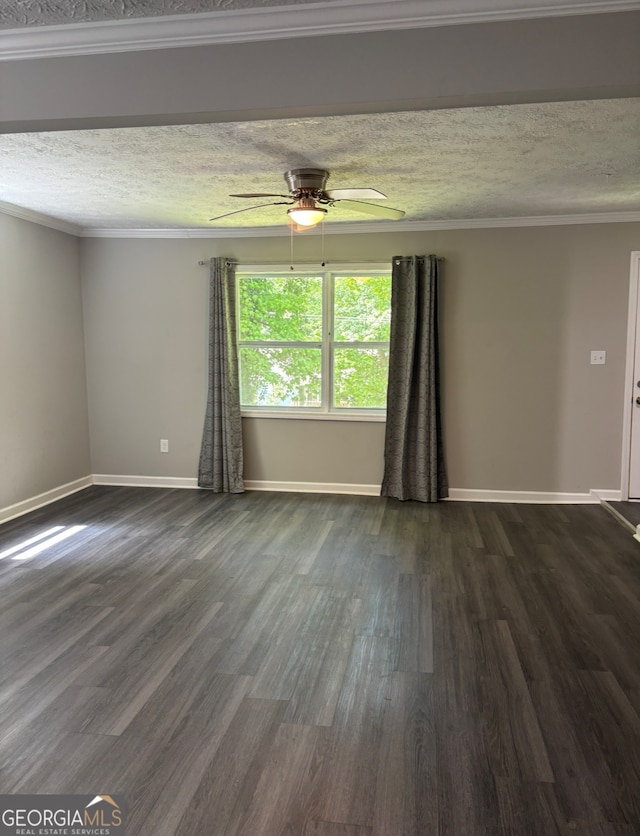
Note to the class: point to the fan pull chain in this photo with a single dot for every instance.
(323, 263)
(291, 240)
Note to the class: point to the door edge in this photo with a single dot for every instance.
(632, 329)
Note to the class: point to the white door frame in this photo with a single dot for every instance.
(633, 333)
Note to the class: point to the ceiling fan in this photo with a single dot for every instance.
(308, 197)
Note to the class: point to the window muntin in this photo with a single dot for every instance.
(314, 342)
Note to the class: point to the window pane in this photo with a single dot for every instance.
(360, 378)
(362, 308)
(280, 376)
(280, 308)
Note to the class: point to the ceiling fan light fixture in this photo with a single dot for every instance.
(306, 213)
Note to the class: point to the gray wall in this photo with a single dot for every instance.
(561, 58)
(145, 312)
(521, 310)
(44, 436)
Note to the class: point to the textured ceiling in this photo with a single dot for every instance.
(506, 161)
(18, 13)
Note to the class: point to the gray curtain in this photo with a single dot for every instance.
(221, 461)
(413, 450)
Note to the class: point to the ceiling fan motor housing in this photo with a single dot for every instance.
(306, 180)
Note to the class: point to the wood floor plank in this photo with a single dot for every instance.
(529, 809)
(625, 597)
(413, 645)
(28, 710)
(328, 828)
(220, 533)
(314, 698)
(615, 733)
(285, 796)
(73, 760)
(456, 647)
(289, 652)
(38, 656)
(378, 594)
(513, 739)
(138, 614)
(350, 770)
(619, 649)
(42, 736)
(583, 783)
(461, 521)
(504, 590)
(492, 533)
(282, 607)
(164, 790)
(141, 672)
(564, 631)
(341, 563)
(467, 798)
(231, 778)
(406, 798)
(311, 546)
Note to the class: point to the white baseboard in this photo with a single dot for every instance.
(35, 502)
(144, 481)
(530, 497)
(455, 494)
(250, 485)
(607, 495)
(313, 487)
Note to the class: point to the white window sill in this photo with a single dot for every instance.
(297, 415)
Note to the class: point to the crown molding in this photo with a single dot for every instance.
(283, 230)
(277, 22)
(376, 227)
(39, 218)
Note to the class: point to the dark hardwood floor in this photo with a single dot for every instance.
(321, 665)
(628, 512)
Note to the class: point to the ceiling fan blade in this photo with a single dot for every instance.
(355, 194)
(373, 209)
(258, 194)
(249, 208)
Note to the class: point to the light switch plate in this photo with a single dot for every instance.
(598, 358)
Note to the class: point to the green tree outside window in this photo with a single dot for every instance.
(314, 341)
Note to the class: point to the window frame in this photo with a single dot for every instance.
(327, 345)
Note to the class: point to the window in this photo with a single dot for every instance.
(314, 341)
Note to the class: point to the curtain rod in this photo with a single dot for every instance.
(419, 257)
(205, 262)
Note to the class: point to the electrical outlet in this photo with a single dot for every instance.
(598, 358)
(164, 445)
